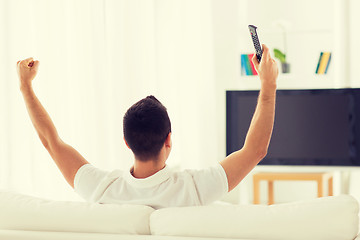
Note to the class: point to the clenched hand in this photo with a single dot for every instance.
(27, 70)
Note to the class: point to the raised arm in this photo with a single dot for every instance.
(238, 164)
(66, 158)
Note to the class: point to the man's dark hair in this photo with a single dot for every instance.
(146, 126)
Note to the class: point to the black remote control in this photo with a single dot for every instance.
(256, 42)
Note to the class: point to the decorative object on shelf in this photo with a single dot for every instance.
(247, 67)
(283, 25)
(285, 66)
(323, 63)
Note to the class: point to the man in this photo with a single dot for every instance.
(147, 132)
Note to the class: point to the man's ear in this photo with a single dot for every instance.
(168, 142)
(126, 143)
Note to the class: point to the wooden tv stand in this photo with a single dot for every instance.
(270, 177)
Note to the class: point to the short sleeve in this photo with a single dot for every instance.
(211, 183)
(90, 182)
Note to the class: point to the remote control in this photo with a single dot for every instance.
(256, 42)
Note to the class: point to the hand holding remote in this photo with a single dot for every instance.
(267, 69)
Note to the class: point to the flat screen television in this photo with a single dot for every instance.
(312, 127)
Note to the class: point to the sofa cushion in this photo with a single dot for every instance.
(37, 235)
(323, 218)
(22, 212)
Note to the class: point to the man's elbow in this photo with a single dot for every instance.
(44, 142)
(49, 144)
(258, 152)
(261, 154)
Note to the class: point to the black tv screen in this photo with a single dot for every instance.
(312, 127)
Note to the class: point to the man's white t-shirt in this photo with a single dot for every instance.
(166, 188)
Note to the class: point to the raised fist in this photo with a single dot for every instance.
(27, 70)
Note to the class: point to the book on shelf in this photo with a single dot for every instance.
(247, 67)
(323, 63)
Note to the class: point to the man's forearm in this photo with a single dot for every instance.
(261, 127)
(39, 117)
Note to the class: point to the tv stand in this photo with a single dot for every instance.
(270, 177)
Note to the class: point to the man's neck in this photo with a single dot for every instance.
(146, 169)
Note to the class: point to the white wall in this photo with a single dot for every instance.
(97, 59)
(320, 29)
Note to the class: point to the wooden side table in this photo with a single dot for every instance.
(270, 177)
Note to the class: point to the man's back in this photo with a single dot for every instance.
(166, 188)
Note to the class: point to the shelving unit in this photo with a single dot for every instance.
(313, 27)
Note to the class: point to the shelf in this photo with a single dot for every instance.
(300, 31)
(287, 81)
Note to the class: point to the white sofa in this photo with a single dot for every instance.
(26, 217)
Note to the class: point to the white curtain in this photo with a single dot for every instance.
(97, 58)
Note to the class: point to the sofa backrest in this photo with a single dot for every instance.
(22, 212)
(323, 218)
(330, 218)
